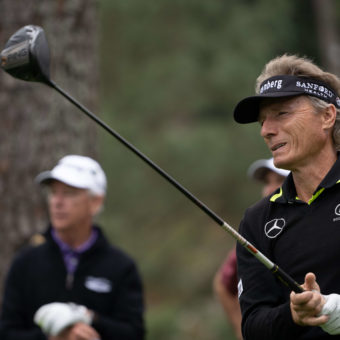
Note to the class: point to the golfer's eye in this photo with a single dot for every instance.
(260, 120)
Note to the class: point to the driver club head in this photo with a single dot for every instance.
(26, 55)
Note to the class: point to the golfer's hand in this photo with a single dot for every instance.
(53, 318)
(306, 306)
(79, 331)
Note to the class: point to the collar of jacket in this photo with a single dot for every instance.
(287, 193)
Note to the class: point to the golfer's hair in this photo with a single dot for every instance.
(304, 67)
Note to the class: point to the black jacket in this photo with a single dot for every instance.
(106, 281)
(300, 238)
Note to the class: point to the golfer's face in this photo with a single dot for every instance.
(292, 131)
(69, 207)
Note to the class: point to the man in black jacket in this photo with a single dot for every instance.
(297, 106)
(74, 285)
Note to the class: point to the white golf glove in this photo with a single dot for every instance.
(332, 309)
(55, 317)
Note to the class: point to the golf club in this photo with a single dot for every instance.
(26, 56)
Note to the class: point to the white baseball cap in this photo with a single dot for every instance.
(77, 171)
(259, 168)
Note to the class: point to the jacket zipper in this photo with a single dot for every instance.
(69, 281)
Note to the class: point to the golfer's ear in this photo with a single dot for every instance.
(96, 204)
(329, 116)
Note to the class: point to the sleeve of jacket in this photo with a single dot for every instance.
(126, 321)
(14, 324)
(263, 298)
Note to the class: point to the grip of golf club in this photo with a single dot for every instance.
(286, 279)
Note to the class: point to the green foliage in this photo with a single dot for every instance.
(172, 72)
(179, 322)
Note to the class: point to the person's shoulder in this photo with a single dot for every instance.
(29, 254)
(259, 206)
(34, 247)
(111, 255)
(120, 254)
(111, 250)
(119, 261)
(254, 216)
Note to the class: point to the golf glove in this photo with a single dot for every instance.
(332, 309)
(55, 317)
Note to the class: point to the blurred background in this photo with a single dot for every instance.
(166, 75)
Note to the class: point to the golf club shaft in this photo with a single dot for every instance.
(140, 155)
(284, 277)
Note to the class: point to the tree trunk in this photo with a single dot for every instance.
(327, 34)
(38, 126)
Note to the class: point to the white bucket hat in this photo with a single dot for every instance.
(77, 171)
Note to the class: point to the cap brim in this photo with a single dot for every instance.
(44, 177)
(47, 177)
(259, 169)
(247, 110)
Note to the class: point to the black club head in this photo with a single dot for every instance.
(26, 55)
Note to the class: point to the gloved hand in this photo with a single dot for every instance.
(332, 309)
(55, 317)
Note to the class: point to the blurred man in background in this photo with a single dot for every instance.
(225, 280)
(74, 285)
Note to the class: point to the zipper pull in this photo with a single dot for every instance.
(69, 280)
